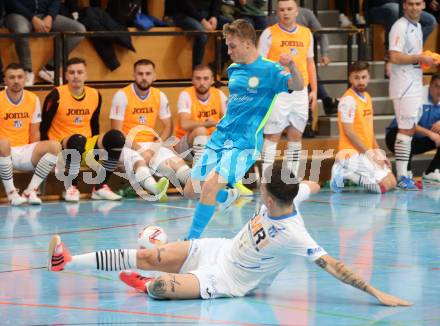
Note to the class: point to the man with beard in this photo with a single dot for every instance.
(199, 108)
(135, 111)
(20, 145)
(359, 158)
(71, 117)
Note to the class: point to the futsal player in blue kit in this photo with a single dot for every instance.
(234, 147)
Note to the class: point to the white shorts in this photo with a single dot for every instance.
(408, 111)
(362, 165)
(202, 262)
(129, 156)
(289, 109)
(22, 157)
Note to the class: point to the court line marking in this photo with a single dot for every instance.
(138, 322)
(120, 210)
(69, 232)
(92, 229)
(128, 312)
(174, 206)
(23, 270)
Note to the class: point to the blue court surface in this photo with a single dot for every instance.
(392, 240)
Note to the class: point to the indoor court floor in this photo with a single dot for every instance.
(392, 240)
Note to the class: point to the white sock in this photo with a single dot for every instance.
(42, 170)
(199, 145)
(105, 260)
(293, 156)
(72, 162)
(268, 153)
(144, 177)
(6, 173)
(402, 150)
(183, 174)
(364, 182)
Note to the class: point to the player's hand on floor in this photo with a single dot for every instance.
(392, 301)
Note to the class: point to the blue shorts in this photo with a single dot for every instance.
(232, 164)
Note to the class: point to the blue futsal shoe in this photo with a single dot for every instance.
(407, 184)
(337, 179)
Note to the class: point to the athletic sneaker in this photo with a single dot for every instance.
(233, 195)
(47, 75)
(161, 189)
(432, 178)
(406, 183)
(337, 179)
(244, 191)
(127, 191)
(344, 21)
(135, 280)
(71, 194)
(418, 183)
(29, 78)
(15, 199)
(59, 255)
(32, 197)
(360, 20)
(104, 193)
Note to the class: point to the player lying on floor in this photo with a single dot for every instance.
(212, 268)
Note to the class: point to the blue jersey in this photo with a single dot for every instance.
(252, 89)
(430, 115)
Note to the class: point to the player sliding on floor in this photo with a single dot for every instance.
(212, 268)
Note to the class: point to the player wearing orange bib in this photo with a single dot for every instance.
(359, 158)
(291, 110)
(71, 117)
(135, 111)
(20, 145)
(199, 109)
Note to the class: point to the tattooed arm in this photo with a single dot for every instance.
(340, 271)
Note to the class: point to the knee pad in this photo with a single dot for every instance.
(77, 142)
(113, 142)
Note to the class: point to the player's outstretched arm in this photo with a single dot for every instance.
(339, 270)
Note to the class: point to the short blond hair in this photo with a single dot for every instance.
(242, 29)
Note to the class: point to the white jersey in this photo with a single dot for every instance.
(406, 80)
(264, 246)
